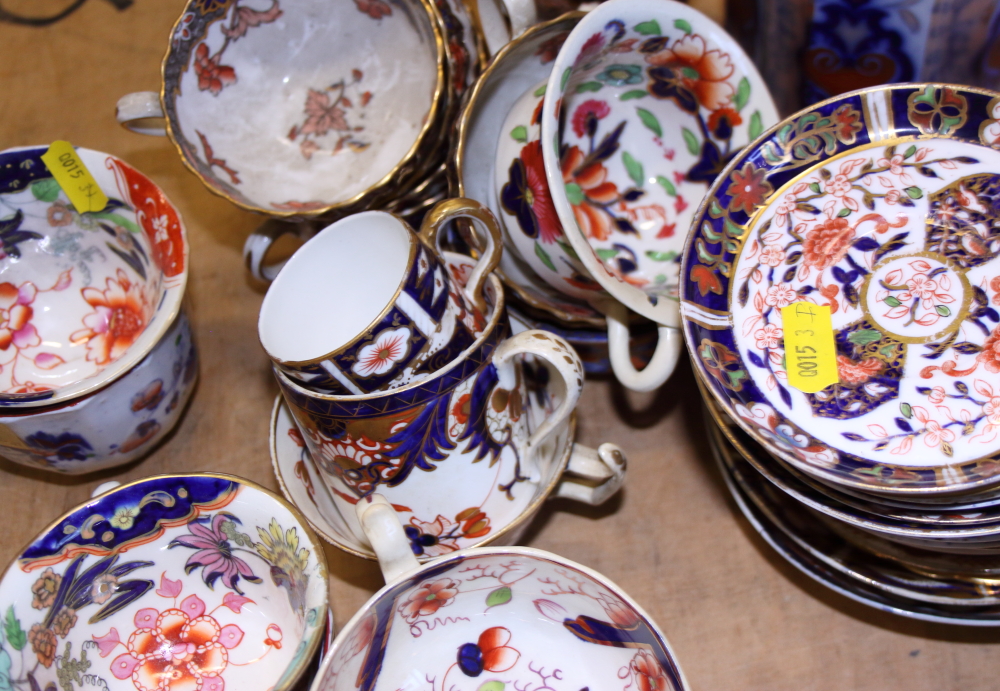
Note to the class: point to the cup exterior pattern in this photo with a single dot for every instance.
(205, 564)
(114, 426)
(533, 618)
(427, 326)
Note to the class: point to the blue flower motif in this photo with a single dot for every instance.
(66, 447)
(620, 75)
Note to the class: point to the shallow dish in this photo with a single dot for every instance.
(173, 582)
(83, 297)
(879, 204)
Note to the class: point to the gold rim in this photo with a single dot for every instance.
(429, 133)
(318, 551)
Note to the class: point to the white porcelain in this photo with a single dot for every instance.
(493, 618)
(83, 297)
(115, 425)
(172, 582)
(656, 98)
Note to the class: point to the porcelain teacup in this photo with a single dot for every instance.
(492, 618)
(224, 575)
(368, 305)
(647, 103)
(458, 449)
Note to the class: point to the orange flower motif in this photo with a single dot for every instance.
(15, 316)
(705, 71)
(826, 244)
(850, 372)
(429, 598)
(211, 75)
(121, 315)
(590, 187)
(989, 356)
(649, 675)
(748, 188)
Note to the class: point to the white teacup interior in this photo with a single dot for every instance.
(334, 287)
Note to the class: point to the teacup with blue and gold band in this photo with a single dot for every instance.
(367, 305)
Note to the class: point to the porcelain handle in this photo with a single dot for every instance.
(135, 110)
(483, 219)
(593, 475)
(522, 15)
(660, 367)
(259, 242)
(567, 364)
(385, 533)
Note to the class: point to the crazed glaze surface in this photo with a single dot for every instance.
(83, 297)
(115, 425)
(644, 106)
(271, 111)
(881, 205)
(500, 619)
(172, 582)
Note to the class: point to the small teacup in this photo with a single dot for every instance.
(493, 618)
(84, 297)
(643, 106)
(367, 304)
(460, 443)
(197, 581)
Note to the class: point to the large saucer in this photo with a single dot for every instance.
(302, 485)
(781, 535)
(844, 205)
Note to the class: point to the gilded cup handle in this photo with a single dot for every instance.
(668, 351)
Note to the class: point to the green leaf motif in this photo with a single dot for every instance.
(500, 596)
(5, 682)
(742, 94)
(12, 627)
(914, 192)
(574, 193)
(660, 278)
(756, 125)
(909, 152)
(661, 256)
(493, 685)
(814, 187)
(864, 337)
(650, 121)
(666, 185)
(691, 140)
(519, 134)
(634, 93)
(116, 219)
(943, 311)
(906, 410)
(682, 25)
(843, 212)
(650, 28)
(544, 256)
(634, 169)
(891, 301)
(606, 254)
(589, 86)
(540, 91)
(565, 78)
(46, 190)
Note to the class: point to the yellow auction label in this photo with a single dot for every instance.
(79, 185)
(810, 352)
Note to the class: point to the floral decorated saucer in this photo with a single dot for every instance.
(779, 535)
(173, 582)
(302, 484)
(882, 206)
(83, 297)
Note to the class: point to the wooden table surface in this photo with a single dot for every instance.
(737, 616)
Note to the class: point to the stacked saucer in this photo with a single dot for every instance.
(840, 307)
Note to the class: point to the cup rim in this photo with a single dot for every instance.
(496, 317)
(530, 552)
(456, 158)
(168, 310)
(662, 310)
(430, 131)
(526, 515)
(318, 551)
(415, 243)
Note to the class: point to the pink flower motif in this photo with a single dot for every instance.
(780, 295)
(589, 112)
(838, 186)
(936, 395)
(768, 337)
(380, 356)
(785, 207)
(15, 316)
(551, 610)
(936, 434)
(429, 598)
(215, 554)
(892, 196)
(772, 255)
(435, 537)
(895, 166)
(121, 313)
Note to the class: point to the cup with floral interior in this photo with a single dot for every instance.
(306, 109)
(493, 616)
(609, 158)
(84, 296)
(172, 582)
(368, 304)
(463, 443)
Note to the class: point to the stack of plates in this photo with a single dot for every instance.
(882, 209)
